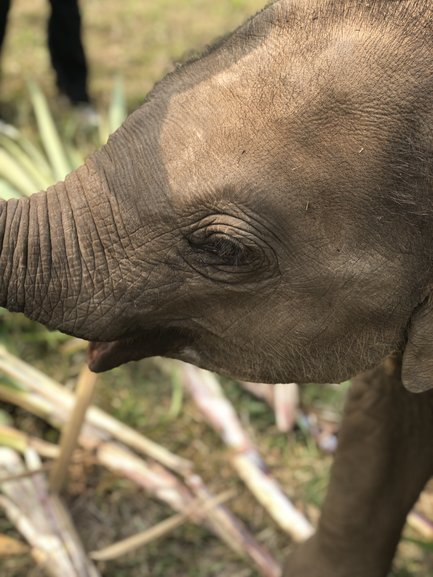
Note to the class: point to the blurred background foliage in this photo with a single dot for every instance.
(139, 41)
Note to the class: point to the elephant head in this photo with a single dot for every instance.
(265, 213)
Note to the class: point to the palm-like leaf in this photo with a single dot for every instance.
(26, 167)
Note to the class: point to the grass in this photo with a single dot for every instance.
(141, 40)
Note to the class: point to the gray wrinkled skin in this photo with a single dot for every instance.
(265, 213)
(383, 462)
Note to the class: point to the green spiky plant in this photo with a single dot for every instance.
(29, 164)
(26, 167)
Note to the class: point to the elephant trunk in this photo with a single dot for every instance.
(54, 265)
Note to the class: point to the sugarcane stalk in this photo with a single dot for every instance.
(282, 398)
(19, 441)
(233, 532)
(207, 393)
(286, 405)
(72, 429)
(166, 487)
(11, 478)
(42, 518)
(55, 404)
(41, 390)
(263, 391)
(157, 531)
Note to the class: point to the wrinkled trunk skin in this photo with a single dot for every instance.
(53, 263)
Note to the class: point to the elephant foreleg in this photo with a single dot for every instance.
(384, 459)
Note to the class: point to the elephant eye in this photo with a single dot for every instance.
(227, 249)
(220, 249)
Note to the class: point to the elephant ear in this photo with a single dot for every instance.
(417, 368)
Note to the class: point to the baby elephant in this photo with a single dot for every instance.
(267, 213)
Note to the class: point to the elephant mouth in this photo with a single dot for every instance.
(103, 356)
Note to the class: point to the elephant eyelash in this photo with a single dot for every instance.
(219, 249)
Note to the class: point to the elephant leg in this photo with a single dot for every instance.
(384, 459)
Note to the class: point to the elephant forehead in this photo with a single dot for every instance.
(277, 96)
(211, 119)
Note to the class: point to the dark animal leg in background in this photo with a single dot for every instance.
(4, 10)
(67, 51)
(384, 459)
